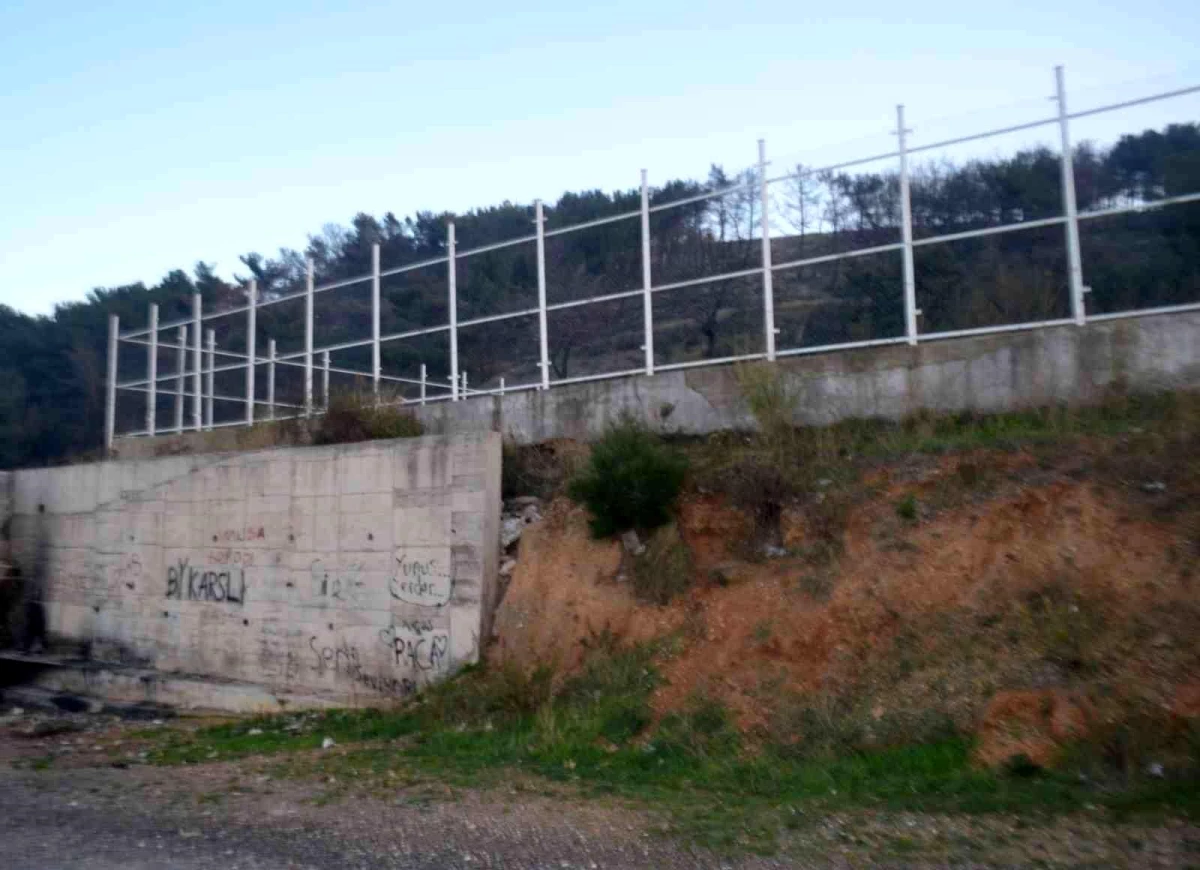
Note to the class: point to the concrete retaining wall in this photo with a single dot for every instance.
(999, 372)
(344, 574)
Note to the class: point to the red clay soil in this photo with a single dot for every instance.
(1036, 724)
(757, 631)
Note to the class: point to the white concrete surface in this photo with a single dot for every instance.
(988, 373)
(350, 574)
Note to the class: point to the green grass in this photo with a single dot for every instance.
(592, 736)
(928, 432)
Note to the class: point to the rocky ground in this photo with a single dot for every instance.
(75, 792)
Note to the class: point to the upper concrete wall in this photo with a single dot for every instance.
(1000, 372)
(350, 573)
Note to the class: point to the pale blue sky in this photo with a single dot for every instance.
(136, 137)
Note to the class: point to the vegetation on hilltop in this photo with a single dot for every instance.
(52, 368)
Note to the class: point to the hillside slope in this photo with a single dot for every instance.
(1039, 594)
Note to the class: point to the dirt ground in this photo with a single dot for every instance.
(98, 806)
(1010, 574)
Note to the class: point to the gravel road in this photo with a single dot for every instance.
(156, 818)
(91, 808)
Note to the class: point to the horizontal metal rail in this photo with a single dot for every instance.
(583, 379)
(608, 297)
(845, 345)
(988, 134)
(1135, 207)
(828, 258)
(494, 318)
(707, 279)
(494, 246)
(1182, 308)
(716, 361)
(413, 333)
(453, 387)
(1137, 101)
(701, 197)
(587, 225)
(412, 267)
(998, 328)
(989, 231)
(220, 397)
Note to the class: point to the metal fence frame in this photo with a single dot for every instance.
(455, 387)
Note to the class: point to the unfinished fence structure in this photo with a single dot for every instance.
(741, 289)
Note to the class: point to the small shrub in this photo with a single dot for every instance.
(611, 696)
(771, 402)
(503, 690)
(703, 728)
(1021, 766)
(665, 569)
(354, 416)
(631, 480)
(762, 487)
(828, 724)
(906, 508)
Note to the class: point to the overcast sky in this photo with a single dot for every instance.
(137, 137)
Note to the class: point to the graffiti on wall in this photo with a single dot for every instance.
(276, 657)
(418, 645)
(249, 533)
(186, 582)
(342, 659)
(420, 581)
(344, 586)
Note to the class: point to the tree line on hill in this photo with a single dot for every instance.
(52, 368)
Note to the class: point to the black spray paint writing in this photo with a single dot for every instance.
(343, 660)
(417, 644)
(344, 586)
(419, 582)
(205, 584)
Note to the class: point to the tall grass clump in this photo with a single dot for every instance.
(665, 569)
(354, 415)
(779, 464)
(631, 480)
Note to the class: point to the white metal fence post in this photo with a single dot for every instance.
(502, 385)
(1067, 163)
(197, 337)
(181, 376)
(464, 385)
(210, 378)
(422, 383)
(308, 339)
(375, 356)
(768, 285)
(110, 386)
(251, 349)
(539, 218)
(453, 304)
(910, 279)
(647, 300)
(152, 373)
(325, 379)
(270, 379)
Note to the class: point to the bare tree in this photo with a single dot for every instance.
(802, 201)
